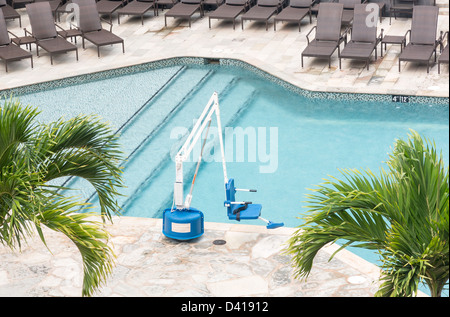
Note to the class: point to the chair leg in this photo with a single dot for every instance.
(6, 66)
(98, 51)
(32, 62)
(439, 68)
(302, 60)
(123, 47)
(76, 53)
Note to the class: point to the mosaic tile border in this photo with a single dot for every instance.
(176, 61)
(332, 95)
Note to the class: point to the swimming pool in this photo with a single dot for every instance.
(314, 136)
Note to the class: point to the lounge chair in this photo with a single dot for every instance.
(328, 32)
(161, 4)
(9, 13)
(230, 10)
(185, 9)
(91, 27)
(262, 11)
(401, 6)
(444, 54)
(296, 11)
(422, 37)
(44, 31)
(364, 39)
(347, 15)
(108, 7)
(137, 8)
(8, 51)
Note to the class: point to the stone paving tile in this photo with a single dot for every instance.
(251, 263)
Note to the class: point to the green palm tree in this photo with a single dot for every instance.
(402, 213)
(32, 155)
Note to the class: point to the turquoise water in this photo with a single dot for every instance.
(314, 138)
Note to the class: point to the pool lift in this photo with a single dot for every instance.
(183, 222)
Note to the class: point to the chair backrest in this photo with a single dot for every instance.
(349, 4)
(4, 37)
(41, 20)
(236, 2)
(230, 193)
(424, 25)
(89, 17)
(268, 3)
(329, 21)
(300, 3)
(364, 30)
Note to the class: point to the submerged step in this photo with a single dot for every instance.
(156, 193)
(149, 119)
(147, 161)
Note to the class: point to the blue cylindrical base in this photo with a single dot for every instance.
(183, 224)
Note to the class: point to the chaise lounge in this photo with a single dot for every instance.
(108, 7)
(137, 8)
(43, 29)
(91, 27)
(364, 39)
(9, 13)
(348, 13)
(184, 9)
(296, 11)
(230, 10)
(422, 37)
(263, 11)
(10, 52)
(328, 33)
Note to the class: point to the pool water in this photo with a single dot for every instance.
(312, 138)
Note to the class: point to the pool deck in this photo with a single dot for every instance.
(251, 263)
(276, 52)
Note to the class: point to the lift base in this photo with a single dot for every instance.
(183, 224)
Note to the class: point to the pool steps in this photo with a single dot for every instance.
(234, 100)
(151, 124)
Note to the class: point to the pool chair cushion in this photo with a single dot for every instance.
(241, 211)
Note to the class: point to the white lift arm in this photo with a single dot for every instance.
(182, 155)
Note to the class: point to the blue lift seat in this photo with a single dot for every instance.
(239, 212)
